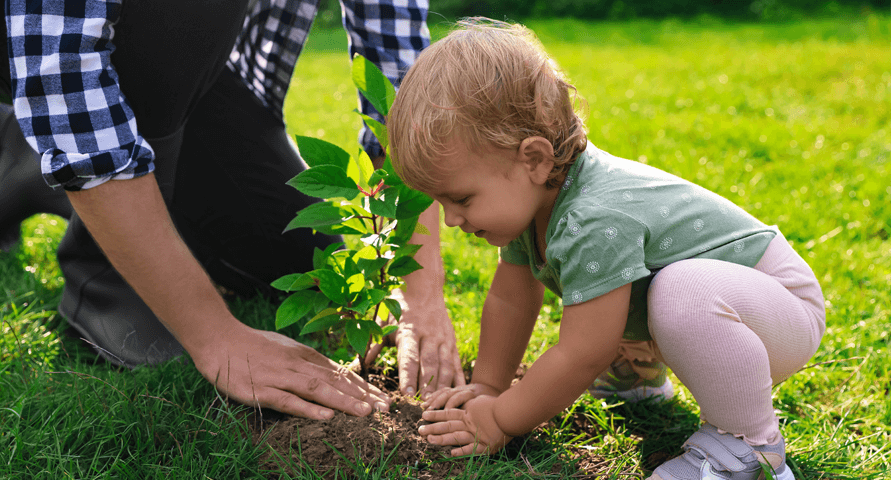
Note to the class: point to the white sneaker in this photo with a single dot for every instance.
(710, 455)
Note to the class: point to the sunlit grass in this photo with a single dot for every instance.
(790, 121)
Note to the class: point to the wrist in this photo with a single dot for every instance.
(501, 416)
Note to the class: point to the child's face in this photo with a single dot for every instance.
(490, 193)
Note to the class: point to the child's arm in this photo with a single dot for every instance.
(589, 337)
(509, 315)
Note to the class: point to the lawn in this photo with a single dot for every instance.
(789, 121)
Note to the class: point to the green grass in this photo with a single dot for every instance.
(790, 121)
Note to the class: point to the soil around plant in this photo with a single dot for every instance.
(330, 447)
(382, 441)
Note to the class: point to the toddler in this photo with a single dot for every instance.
(652, 269)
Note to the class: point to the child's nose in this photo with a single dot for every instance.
(452, 218)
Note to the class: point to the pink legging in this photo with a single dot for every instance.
(731, 332)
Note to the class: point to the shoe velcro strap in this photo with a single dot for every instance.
(726, 450)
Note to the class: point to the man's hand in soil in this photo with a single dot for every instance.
(267, 369)
(473, 430)
(130, 222)
(448, 398)
(425, 340)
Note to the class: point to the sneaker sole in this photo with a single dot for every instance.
(662, 393)
(787, 474)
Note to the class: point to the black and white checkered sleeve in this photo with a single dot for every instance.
(391, 34)
(66, 93)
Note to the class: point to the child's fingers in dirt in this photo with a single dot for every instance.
(460, 438)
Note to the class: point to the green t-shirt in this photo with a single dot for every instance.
(616, 221)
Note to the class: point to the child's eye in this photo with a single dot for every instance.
(463, 201)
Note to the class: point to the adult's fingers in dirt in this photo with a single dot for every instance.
(342, 379)
(459, 378)
(408, 364)
(373, 353)
(352, 401)
(429, 369)
(287, 402)
(447, 369)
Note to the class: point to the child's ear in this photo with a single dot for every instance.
(538, 154)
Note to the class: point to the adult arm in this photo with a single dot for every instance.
(73, 113)
(129, 220)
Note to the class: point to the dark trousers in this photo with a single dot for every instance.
(222, 160)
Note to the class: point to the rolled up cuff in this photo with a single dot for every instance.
(82, 171)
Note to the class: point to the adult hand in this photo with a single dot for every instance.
(425, 340)
(267, 369)
(455, 397)
(473, 429)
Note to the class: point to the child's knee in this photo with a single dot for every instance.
(674, 296)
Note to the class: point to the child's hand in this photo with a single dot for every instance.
(474, 429)
(455, 397)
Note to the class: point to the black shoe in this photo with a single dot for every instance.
(22, 190)
(105, 311)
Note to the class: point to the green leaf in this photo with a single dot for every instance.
(284, 283)
(325, 181)
(361, 168)
(377, 176)
(293, 282)
(331, 284)
(294, 308)
(392, 178)
(371, 267)
(389, 329)
(322, 302)
(394, 306)
(377, 128)
(403, 266)
(420, 228)
(385, 203)
(409, 249)
(321, 323)
(319, 152)
(358, 334)
(376, 296)
(355, 283)
(320, 257)
(317, 215)
(349, 226)
(404, 230)
(366, 253)
(411, 202)
(360, 302)
(375, 87)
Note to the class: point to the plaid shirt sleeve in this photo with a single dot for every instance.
(391, 34)
(66, 93)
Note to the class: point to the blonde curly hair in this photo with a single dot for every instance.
(489, 84)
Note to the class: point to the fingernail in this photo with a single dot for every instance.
(326, 414)
(382, 406)
(410, 391)
(363, 408)
(426, 395)
(422, 430)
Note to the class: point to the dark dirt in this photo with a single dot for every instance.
(380, 441)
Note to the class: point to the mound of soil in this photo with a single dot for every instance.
(383, 441)
(329, 446)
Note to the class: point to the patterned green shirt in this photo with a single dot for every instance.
(616, 222)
